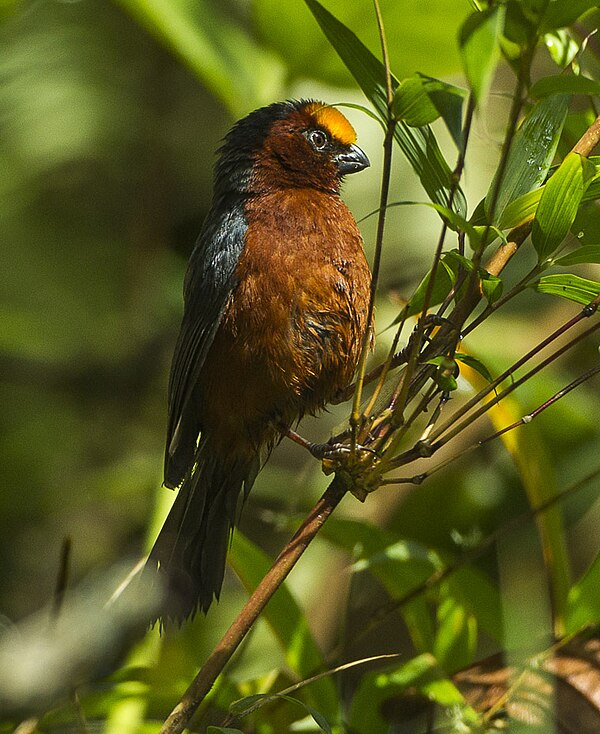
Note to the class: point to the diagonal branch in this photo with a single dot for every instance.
(287, 559)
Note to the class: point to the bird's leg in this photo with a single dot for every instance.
(321, 451)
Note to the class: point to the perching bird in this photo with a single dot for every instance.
(276, 300)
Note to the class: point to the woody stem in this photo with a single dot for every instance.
(285, 562)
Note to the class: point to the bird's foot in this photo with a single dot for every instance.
(330, 451)
(342, 457)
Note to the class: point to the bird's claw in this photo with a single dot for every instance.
(333, 451)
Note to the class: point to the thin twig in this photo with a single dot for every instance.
(490, 387)
(388, 144)
(432, 446)
(524, 420)
(401, 395)
(268, 698)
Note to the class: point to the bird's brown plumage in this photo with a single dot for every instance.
(289, 334)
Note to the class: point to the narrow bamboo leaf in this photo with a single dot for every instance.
(491, 285)
(444, 280)
(413, 104)
(531, 153)
(419, 145)
(520, 210)
(523, 209)
(399, 566)
(561, 84)
(456, 636)
(559, 203)
(457, 222)
(426, 675)
(454, 257)
(474, 364)
(287, 621)
(478, 41)
(568, 286)
(367, 706)
(449, 101)
(564, 13)
(479, 595)
(584, 600)
(593, 190)
(583, 254)
(419, 100)
(520, 28)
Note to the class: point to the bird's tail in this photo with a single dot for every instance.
(190, 551)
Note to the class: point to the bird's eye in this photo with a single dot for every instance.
(318, 139)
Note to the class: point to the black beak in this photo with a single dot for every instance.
(351, 160)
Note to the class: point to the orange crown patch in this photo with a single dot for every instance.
(332, 120)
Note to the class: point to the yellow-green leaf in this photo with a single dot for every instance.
(531, 153)
(478, 41)
(571, 287)
(559, 203)
(412, 103)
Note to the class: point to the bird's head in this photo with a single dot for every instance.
(304, 144)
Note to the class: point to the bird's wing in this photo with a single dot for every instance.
(209, 281)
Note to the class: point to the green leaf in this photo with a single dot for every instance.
(419, 100)
(442, 285)
(520, 28)
(564, 84)
(562, 47)
(491, 285)
(445, 374)
(8, 8)
(584, 254)
(562, 13)
(412, 103)
(474, 364)
(478, 41)
(449, 101)
(523, 209)
(520, 210)
(419, 145)
(480, 596)
(531, 153)
(233, 67)
(584, 600)
(287, 621)
(426, 675)
(456, 636)
(222, 730)
(401, 567)
(367, 706)
(568, 286)
(559, 203)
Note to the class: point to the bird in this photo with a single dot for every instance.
(276, 303)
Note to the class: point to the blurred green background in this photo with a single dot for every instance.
(110, 113)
